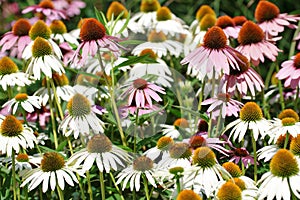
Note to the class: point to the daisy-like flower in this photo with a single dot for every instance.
(52, 169)
(243, 79)
(207, 171)
(254, 46)
(23, 162)
(14, 135)
(239, 21)
(188, 195)
(173, 131)
(81, 118)
(294, 146)
(16, 40)
(60, 34)
(224, 105)
(290, 71)
(10, 75)
(282, 181)
(101, 151)
(251, 117)
(70, 8)
(63, 90)
(141, 167)
(227, 24)
(28, 103)
(46, 10)
(287, 122)
(162, 147)
(160, 45)
(228, 190)
(160, 69)
(93, 36)
(213, 57)
(271, 20)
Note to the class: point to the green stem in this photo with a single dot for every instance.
(60, 193)
(102, 186)
(14, 174)
(254, 156)
(135, 130)
(280, 91)
(269, 75)
(57, 100)
(286, 141)
(24, 116)
(146, 187)
(80, 187)
(70, 145)
(296, 99)
(266, 110)
(293, 44)
(9, 92)
(201, 94)
(116, 186)
(90, 191)
(219, 124)
(178, 186)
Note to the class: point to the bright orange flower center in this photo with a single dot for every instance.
(21, 27)
(250, 33)
(215, 38)
(266, 11)
(92, 29)
(225, 21)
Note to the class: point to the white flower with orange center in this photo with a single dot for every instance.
(59, 33)
(188, 195)
(162, 147)
(174, 131)
(28, 103)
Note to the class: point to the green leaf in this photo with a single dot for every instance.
(126, 22)
(145, 117)
(101, 18)
(136, 59)
(133, 42)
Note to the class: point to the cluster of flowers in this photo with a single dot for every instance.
(109, 120)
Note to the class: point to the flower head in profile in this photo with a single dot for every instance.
(59, 33)
(93, 38)
(23, 101)
(290, 72)
(284, 174)
(142, 167)
(229, 190)
(101, 151)
(70, 8)
(53, 171)
(228, 25)
(14, 136)
(23, 162)
(254, 46)
(240, 154)
(10, 75)
(188, 195)
(81, 119)
(17, 39)
(294, 145)
(162, 147)
(270, 19)
(175, 131)
(251, 118)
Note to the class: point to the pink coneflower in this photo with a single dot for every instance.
(16, 40)
(214, 56)
(228, 25)
(46, 10)
(244, 79)
(93, 36)
(254, 45)
(223, 104)
(270, 20)
(290, 71)
(71, 8)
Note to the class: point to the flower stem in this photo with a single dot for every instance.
(254, 156)
(146, 187)
(80, 187)
(57, 100)
(90, 191)
(9, 92)
(178, 187)
(201, 94)
(14, 175)
(102, 186)
(60, 193)
(286, 141)
(116, 186)
(70, 145)
(296, 99)
(280, 91)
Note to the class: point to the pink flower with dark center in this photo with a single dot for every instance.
(253, 44)
(290, 71)
(243, 80)
(93, 36)
(271, 21)
(228, 25)
(71, 8)
(213, 57)
(16, 40)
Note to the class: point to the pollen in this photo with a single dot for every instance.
(11, 126)
(52, 161)
(204, 10)
(140, 84)
(208, 21)
(228, 191)
(180, 150)
(266, 11)
(156, 37)
(225, 21)
(92, 29)
(288, 113)
(148, 52)
(215, 38)
(21, 97)
(149, 5)
(233, 169)
(22, 157)
(250, 33)
(202, 126)
(7, 66)
(284, 164)
(239, 20)
(188, 195)
(21, 27)
(297, 61)
(181, 122)
(176, 170)
(41, 47)
(281, 140)
(204, 157)
(58, 27)
(163, 14)
(40, 29)
(46, 4)
(243, 63)
(79, 106)
(251, 112)
(197, 141)
(295, 145)
(142, 163)
(99, 143)
(164, 143)
(115, 9)
(239, 182)
(288, 121)
(60, 80)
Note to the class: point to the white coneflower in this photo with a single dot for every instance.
(28, 103)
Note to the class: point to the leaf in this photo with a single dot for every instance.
(145, 117)
(136, 59)
(101, 18)
(125, 24)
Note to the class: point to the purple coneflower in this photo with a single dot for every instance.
(228, 25)
(290, 71)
